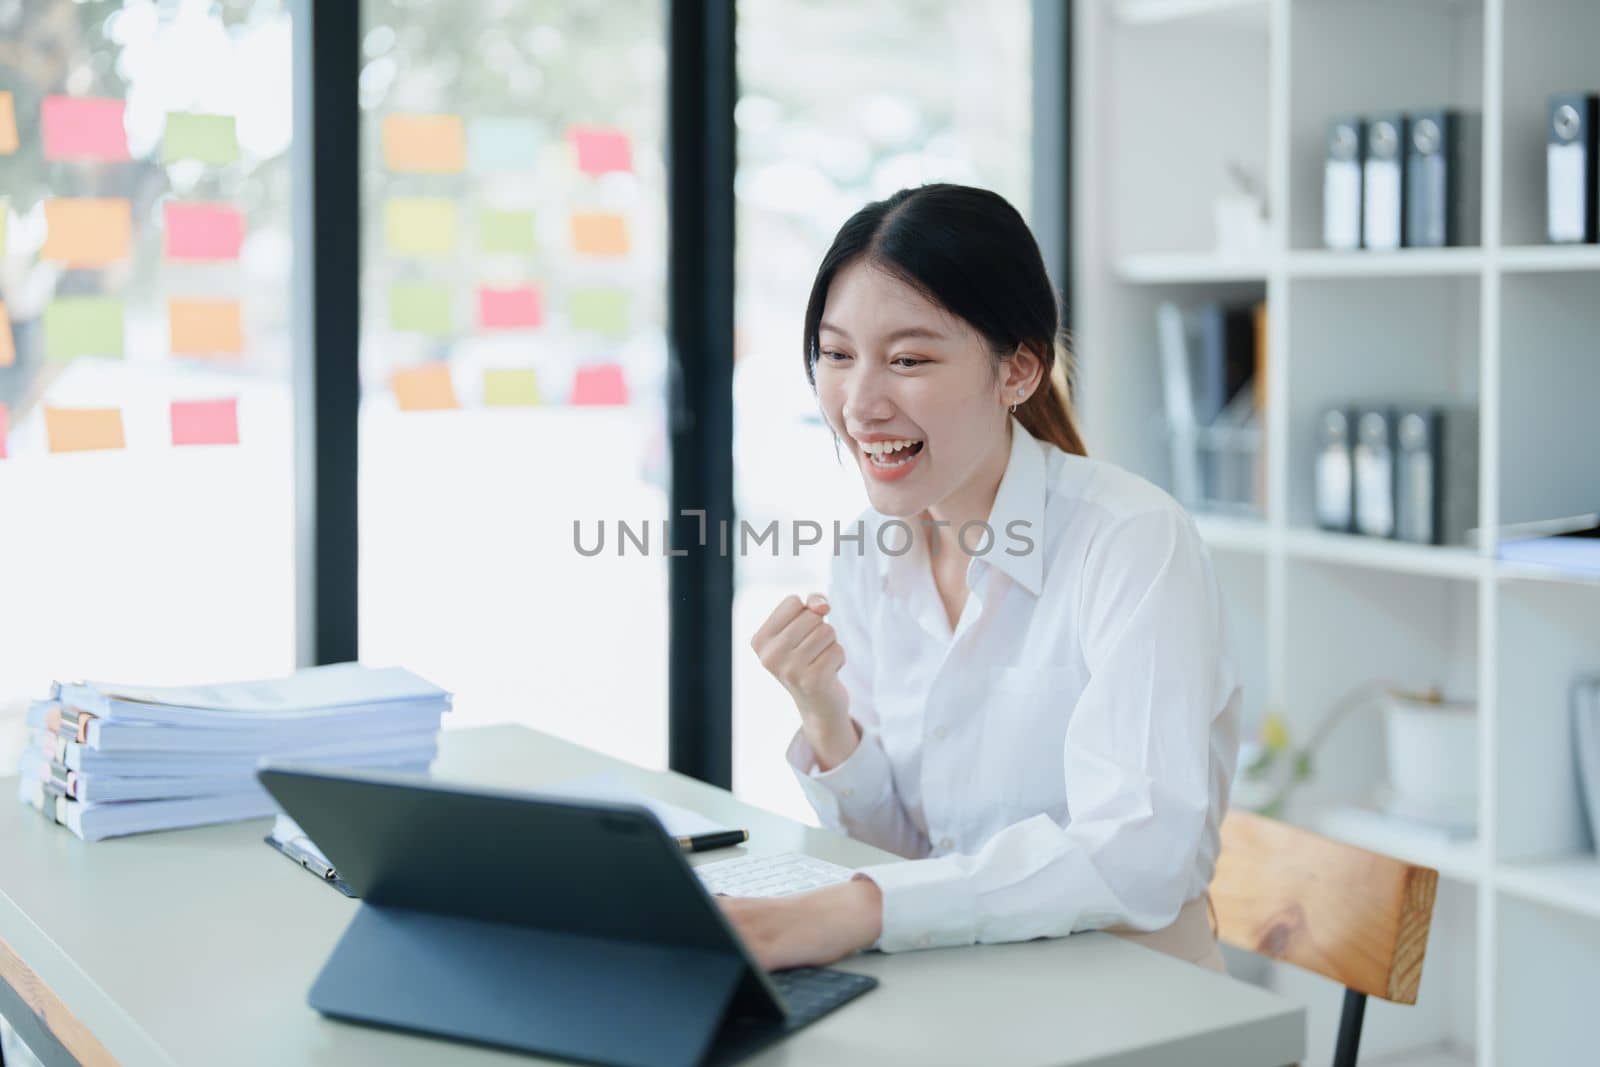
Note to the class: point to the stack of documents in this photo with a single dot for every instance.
(107, 760)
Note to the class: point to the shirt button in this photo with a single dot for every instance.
(939, 733)
(946, 844)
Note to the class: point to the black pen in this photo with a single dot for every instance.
(707, 842)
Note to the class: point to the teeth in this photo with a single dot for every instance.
(878, 448)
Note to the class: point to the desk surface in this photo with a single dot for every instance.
(198, 947)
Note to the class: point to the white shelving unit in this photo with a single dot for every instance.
(1168, 93)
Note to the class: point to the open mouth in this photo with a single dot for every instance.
(887, 455)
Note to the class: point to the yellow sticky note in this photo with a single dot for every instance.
(87, 232)
(420, 225)
(8, 125)
(425, 388)
(600, 235)
(8, 347)
(204, 327)
(517, 388)
(83, 429)
(425, 144)
(506, 232)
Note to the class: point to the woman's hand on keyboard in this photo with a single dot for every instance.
(808, 929)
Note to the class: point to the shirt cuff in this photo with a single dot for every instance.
(854, 789)
(929, 903)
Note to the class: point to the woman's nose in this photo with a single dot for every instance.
(867, 398)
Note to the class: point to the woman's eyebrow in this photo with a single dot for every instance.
(901, 334)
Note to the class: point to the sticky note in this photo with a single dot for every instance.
(600, 384)
(601, 149)
(5, 428)
(87, 232)
(8, 125)
(420, 225)
(204, 327)
(600, 235)
(83, 429)
(83, 129)
(422, 307)
(210, 139)
(202, 231)
(424, 144)
(82, 326)
(506, 232)
(518, 307)
(205, 422)
(602, 310)
(501, 144)
(427, 388)
(518, 388)
(8, 345)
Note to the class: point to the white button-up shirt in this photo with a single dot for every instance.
(1059, 761)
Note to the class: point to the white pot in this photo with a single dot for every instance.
(1433, 757)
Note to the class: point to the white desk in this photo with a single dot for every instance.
(198, 947)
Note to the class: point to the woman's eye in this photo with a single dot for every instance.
(909, 361)
(835, 357)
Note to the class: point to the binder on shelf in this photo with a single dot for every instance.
(1442, 187)
(1341, 185)
(1436, 474)
(1374, 473)
(1334, 486)
(1572, 163)
(1383, 196)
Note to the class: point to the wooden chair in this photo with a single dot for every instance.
(1357, 917)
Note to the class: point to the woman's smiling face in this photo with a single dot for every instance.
(910, 388)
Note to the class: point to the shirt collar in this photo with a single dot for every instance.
(1020, 499)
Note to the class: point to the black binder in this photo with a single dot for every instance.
(551, 926)
(1436, 474)
(1444, 199)
(1383, 188)
(1572, 161)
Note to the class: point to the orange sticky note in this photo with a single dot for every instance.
(601, 149)
(600, 235)
(8, 347)
(425, 144)
(8, 125)
(204, 327)
(426, 388)
(205, 422)
(602, 383)
(83, 429)
(87, 232)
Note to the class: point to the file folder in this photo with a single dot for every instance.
(1572, 172)
(1443, 191)
(1383, 198)
(1374, 473)
(1341, 185)
(1436, 474)
(1335, 479)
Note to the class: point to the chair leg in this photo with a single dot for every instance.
(1355, 1009)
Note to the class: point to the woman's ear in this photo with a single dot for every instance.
(1024, 371)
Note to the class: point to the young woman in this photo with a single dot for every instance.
(1020, 677)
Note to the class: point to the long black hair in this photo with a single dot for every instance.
(968, 251)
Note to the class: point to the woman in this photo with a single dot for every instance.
(1048, 727)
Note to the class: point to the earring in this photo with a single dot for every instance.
(1020, 391)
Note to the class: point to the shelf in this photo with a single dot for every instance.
(1251, 13)
(1532, 572)
(1374, 553)
(1458, 860)
(1538, 258)
(1227, 533)
(1571, 884)
(1406, 262)
(1433, 1056)
(1188, 268)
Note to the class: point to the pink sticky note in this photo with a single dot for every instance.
(202, 231)
(205, 422)
(5, 428)
(601, 148)
(600, 384)
(83, 128)
(516, 308)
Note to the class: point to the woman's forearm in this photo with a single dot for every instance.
(832, 739)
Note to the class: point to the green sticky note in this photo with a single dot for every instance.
(422, 307)
(420, 225)
(601, 310)
(511, 388)
(507, 232)
(82, 326)
(211, 139)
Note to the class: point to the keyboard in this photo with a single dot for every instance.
(769, 876)
(808, 994)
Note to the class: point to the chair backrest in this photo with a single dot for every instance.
(1358, 917)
